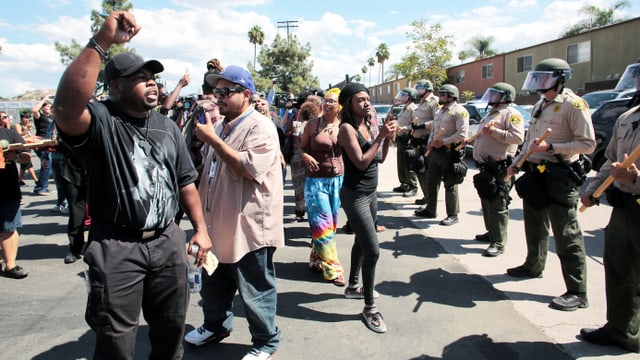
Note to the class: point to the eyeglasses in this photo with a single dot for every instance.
(442, 93)
(226, 91)
(330, 101)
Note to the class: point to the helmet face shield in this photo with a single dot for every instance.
(540, 80)
(401, 98)
(421, 89)
(493, 96)
(630, 79)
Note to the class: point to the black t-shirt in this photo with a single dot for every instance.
(354, 178)
(43, 125)
(135, 167)
(9, 175)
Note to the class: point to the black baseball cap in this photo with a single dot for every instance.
(127, 63)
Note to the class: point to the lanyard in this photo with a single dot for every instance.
(224, 137)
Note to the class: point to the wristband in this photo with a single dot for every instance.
(94, 45)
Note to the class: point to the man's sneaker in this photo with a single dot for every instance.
(42, 193)
(60, 209)
(16, 273)
(570, 302)
(201, 336)
(254, 354)
(522, 272)
(410, 193)
(493, 251)
(357, 293)
(449, 220)
(483, 237)
(374, 321)
(70, 258)
(400, 189)
(424, 213)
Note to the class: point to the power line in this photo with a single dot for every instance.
(288, 24)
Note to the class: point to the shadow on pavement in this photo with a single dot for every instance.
(480, 347)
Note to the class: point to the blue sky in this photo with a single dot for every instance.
(184, 34)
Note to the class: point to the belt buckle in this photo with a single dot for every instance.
(148, 234)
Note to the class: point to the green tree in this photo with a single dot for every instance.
(479, 47)
(364, 72)
(288, 63)
(467, 95)
(596, 18)
(256, 37)
(382, 54)
(70, 52)
(428, 55)
(371, 62)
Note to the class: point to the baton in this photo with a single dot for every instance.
(605, 184)
(528, 153)
(438, 135)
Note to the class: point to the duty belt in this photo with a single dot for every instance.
(445, 148)
(501, 165)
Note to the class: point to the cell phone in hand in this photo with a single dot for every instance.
(198, 114)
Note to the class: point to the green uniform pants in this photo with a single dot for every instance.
(406, 176)
(439, 163)
(566, 232)
(495, 212)
(622, 270)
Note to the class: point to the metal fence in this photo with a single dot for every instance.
(14, 108)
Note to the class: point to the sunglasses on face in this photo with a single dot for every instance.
(227, 91)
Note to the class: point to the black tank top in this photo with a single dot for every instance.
(355, 179)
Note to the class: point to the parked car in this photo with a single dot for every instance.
(603, 120)
(596, 98)
(382, 110)
(477, 110)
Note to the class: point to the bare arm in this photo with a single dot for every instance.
(190, 201)
(171, 99)
(348, 140)
(79, 79)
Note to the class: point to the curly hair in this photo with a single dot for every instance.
(214, 64)
(309, 110)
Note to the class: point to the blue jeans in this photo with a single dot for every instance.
(45, 172)
(57, 162)
(254, 277)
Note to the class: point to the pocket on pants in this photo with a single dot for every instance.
(96, 314)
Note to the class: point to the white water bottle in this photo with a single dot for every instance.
(194, 273)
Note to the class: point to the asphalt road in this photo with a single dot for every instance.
(440, 298)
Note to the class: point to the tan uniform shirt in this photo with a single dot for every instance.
(425, 112)
(624, 139)
(454, 119)
(244, 215)
(405, 118)
(507, 133)
(567, 115)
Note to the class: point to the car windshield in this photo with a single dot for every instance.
(382, 109)
(596, 99)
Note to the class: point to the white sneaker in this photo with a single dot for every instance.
(201, 336)
(254, 354)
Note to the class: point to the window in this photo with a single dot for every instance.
(525, 63)
(460, 76)
(388, 89)
(580, 52)
(487, 71)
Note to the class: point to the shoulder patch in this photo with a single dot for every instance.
(580, 104)
(515, 119)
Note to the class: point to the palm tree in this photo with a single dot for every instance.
(382, 53)
(364, 71)
(256, 37)
(371, 62)
(597, 17)
(478, 47)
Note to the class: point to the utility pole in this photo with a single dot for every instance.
(287, 25)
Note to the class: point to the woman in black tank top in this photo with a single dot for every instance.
(358, 194)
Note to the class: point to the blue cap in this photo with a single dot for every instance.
(235, 74)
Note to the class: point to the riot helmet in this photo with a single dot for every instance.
(498, 93)
(549, 74)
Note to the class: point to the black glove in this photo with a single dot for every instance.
(414, 126)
